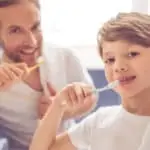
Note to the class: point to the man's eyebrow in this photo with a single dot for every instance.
(36, 24)
(13, 26)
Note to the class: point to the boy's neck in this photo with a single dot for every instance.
(139, 104)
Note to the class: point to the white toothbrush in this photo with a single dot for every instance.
(107, 87)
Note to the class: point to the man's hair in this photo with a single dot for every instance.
(6, 3)
(132, 27)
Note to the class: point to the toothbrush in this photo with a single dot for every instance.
(40, 61)
(107, 87)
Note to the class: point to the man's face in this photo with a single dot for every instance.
(20, 32)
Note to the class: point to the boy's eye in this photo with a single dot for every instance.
(133, 54)
(109, 60)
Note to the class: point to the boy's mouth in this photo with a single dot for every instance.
(126, 79)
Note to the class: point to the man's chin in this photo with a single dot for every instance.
(29, 60)
(31, 64)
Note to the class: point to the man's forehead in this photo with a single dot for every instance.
(19, 13)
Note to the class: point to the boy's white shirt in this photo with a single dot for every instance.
(112, 128)
(18, 105)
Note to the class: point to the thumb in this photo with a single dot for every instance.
(51, 89)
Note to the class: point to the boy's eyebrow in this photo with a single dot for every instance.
(107, 53)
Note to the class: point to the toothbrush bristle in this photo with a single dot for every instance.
(113, 84)
(40, 60)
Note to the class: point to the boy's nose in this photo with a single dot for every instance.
(121, 67)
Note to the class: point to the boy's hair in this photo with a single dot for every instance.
(7, 3)
(132, 27)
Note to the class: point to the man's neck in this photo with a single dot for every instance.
(33, 80)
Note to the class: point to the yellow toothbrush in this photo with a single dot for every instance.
(40, 61)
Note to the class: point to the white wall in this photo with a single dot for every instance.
(75, 23)
(140, 6)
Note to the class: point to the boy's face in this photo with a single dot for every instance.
(128, 63)
(20, 32)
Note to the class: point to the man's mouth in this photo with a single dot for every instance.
(126, 79)
(28, 52)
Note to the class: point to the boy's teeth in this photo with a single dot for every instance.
(124, 79)
(127, 78)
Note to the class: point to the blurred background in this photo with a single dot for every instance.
(75, 23)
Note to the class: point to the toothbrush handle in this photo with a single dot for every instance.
(34, 67)
(101, 89)
(107, 87)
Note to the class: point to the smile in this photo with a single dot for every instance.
(28, 52)
(126, 79)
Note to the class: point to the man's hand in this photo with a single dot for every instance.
(45, 101)
(11, 73)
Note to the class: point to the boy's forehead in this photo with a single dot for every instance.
(19, 14)
(120, 47)
(112, 45)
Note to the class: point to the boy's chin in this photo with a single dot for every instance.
(127, 94)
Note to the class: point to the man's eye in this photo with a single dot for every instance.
(109, 61)
(37, 27)
(133, 54)
(14, 30)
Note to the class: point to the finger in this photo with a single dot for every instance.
(18, 72)
(4, 74)
(10, 72)
(5, 78)
(51, 89)
(88, 90)
(24, 68)
(65, 97)
(79, 93)
(42, 109)
(45, 100)
(88, 106)
(72, 95)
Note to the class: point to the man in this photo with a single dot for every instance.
(24, 95)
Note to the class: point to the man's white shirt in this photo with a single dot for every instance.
(18, 105)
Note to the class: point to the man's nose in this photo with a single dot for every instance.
(30, 40)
